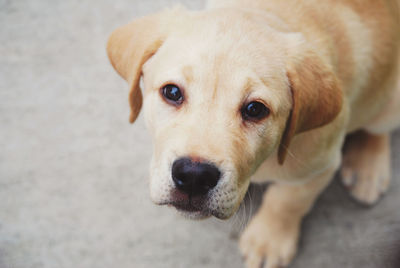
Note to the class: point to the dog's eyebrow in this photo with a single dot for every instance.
(187, 72)
(247, 87)
(248, 84)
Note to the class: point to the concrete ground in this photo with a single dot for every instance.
(73, 172)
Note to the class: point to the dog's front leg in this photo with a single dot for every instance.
(271, 236)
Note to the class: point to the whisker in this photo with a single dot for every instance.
(299, 161)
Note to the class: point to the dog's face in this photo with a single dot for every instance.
(217, 99)
(214, 115)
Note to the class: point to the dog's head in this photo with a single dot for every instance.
(222, 92)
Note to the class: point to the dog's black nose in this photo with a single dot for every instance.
(193, 177)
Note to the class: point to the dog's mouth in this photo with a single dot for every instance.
(193, 207)
(194, 212)
(186, 207)
(190, 211)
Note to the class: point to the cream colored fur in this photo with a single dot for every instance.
(324, 68)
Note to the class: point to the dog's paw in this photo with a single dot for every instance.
(268, 243)
(367, 183)
(366, 168)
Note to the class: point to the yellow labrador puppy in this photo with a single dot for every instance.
(264, 90)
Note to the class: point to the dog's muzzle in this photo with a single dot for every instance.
(193, 180)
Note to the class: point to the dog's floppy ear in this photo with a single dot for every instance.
(316, 95)
(131, 45)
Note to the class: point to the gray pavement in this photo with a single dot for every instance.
(73, 172)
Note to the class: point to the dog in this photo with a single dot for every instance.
(264, 90)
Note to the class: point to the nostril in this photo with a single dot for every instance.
(194, 178)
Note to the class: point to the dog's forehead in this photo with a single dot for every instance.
(195, 55)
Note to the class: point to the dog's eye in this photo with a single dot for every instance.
(172, 94)
(254, 111)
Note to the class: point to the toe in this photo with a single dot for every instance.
(348, 177)
(254, 260)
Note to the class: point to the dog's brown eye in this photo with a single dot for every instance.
(254, 111)
(172, 93)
